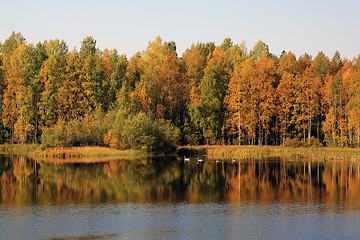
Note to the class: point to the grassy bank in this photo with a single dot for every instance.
(24, 149)
(35, 150)
(90, 152)
(220, 152)
(257, 152)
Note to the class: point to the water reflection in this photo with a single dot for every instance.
(24, 181)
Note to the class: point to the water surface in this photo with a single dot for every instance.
(172, 199)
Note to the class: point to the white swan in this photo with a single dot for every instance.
(186, 159)
(200, 160)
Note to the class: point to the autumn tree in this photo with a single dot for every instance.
(247, 102)
(264, 97)
(352, 77)
(92, 75)
(19, 112)
(3, 132)
(71, 98)
(334, 117)
(159, 69)
(238, 101)
(173, 89)
(193, 64)
(308, 101)
(287, 71)
(52, 76)
(213, 94)
(192, 67)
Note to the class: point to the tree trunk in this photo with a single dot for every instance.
(239, 127)
(309, 128)
(341, 135)
(304, 134)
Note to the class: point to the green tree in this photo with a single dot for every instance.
(260, 49)
(118, 77)
(226, 44)
(92, 75)
(208, 114)
(52, 77)
(88, 47)
(148, 93)
(321, 66)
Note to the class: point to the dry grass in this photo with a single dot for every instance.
(87, 152)
(26, 149)
(227, 152)
(72, 154)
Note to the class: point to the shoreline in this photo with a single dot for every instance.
(210, 151)
(66, 153)
(258, 152)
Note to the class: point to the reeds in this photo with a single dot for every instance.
(86, 152)
(26, 149)
(257, 152)
(37, 151)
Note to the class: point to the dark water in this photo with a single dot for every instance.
(165, 198)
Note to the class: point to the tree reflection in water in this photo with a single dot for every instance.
(170, 179)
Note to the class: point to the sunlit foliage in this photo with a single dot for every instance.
(157, 99)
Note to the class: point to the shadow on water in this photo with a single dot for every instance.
(191, 151)
(173, 180)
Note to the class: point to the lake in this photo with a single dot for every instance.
(167, 198)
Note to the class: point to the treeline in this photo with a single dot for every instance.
(157, 100)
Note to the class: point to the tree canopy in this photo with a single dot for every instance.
(156, 99)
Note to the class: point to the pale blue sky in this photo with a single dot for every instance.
(298, 26)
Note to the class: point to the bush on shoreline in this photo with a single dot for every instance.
(295, 142)
(140, 131)
(120, 130)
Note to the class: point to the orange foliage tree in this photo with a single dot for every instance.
(213, 94)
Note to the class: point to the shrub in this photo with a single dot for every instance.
(121, 130)
(87, 130)
(293, 142)
(140, 131)
(55, 136)
(314, 142)
(336, 141)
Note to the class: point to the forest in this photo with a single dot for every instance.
(157, 100)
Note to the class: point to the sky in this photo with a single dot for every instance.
(304, 26)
